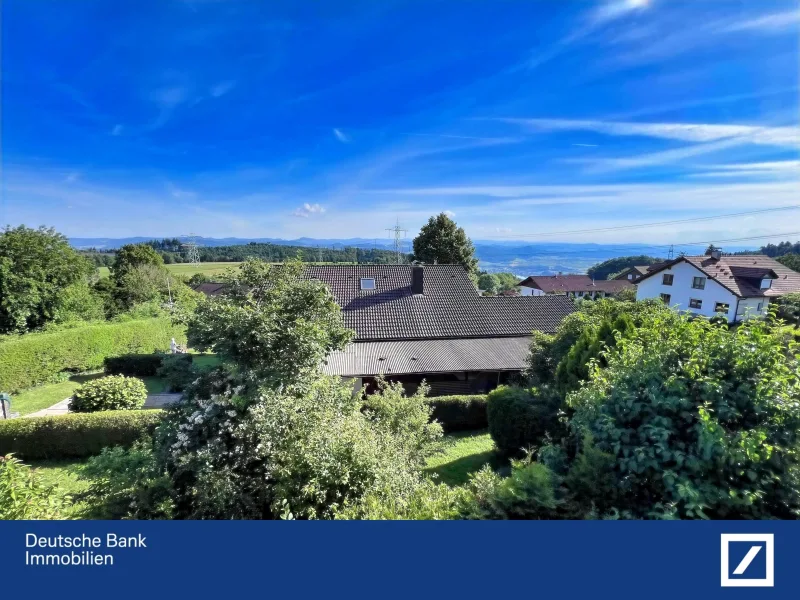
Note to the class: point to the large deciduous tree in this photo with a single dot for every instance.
(130, 257)
(36, 265)
(270, 321)
(441, 241)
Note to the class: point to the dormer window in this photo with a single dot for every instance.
(766, 283)
(367, 283)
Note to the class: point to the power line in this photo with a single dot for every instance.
(398, 241)
(640, 225)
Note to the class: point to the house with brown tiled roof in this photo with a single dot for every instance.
(415, 322)
(573, 286)
(428, 322)
(738, 286)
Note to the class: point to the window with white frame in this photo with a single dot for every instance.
(722, 307)
(760, 306)
(367, 283)
(699, 283)
(695, 303)
(667, 279)
(665, 298)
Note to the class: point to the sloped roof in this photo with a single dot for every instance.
(742, 274)
(563, 284)
(209, 288)
(449, 308)
(429, 356)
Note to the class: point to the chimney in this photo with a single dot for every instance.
(716, 254)
(417, 280)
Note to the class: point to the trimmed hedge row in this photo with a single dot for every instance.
(75, 435)
(520, 418)
(35, 358)
(460, 413)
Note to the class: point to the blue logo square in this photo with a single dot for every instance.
(755, 566)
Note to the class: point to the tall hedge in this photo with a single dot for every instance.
(75, 435)
(34, 358)
(520, 418)
(459, 413)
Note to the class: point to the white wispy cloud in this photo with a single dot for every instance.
(774, 169)
(308, 210)
(340, 135)
(450, 213)
(688, 132)
(787, 20)
(221, 88)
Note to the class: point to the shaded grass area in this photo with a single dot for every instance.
(62, 474)
(465, 452)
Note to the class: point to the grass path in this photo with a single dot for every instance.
(63, 475)
(465, 452)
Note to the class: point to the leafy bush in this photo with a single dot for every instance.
(528, 493)
(305, 452)
(75, 435)
(177, 371)
(115, 392)
(548, 351)
(699, 422)
(142, 365)
(789, 308)
(591, 345)
(32, 359)
(518, 419)
(23, 496)
(126, 482)
(459, 413)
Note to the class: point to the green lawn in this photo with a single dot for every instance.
(211, 268)
(42, 397)
(465, 452)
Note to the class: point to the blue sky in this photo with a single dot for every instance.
(325, 119)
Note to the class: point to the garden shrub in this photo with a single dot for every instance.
(141, 365)
(127, 482)
(75, 435)
(528, 493)
(789, 308)
(32, 359)
(177, 371)
(519, 419)
(699, 421)
(427, 501)
(115, 392)
(22, 494)
(459, 413)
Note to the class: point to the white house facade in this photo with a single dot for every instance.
(686, 288)
(738, 287)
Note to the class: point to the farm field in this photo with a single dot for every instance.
(211, 268)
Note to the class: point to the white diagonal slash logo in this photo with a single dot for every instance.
(767, 539)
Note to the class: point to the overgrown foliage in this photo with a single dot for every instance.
(33, 359)
(75, 435)
(699, 421)
(114, 392)
(36, 266)
(459, 413)
(592, 345)
(441, 241)
(789, 308)
(548, 351)
(23, 495)
(520, 418)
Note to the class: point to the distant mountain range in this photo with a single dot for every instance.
(521, 258)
